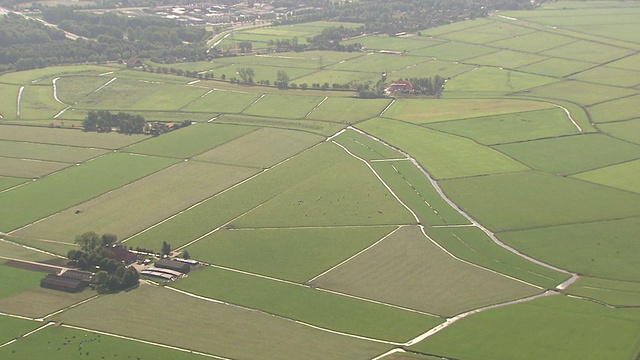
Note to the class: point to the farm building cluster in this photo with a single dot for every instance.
(68, 280)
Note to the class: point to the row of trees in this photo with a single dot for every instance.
(94, 254)
(105, 121)
(428, 86)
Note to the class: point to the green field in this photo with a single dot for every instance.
(622, 176)
(71, 89)
(37, 102)
(40, 135)
(620, 109)
(619, 293)
(495, 80)
(27, 168)
(12, 328)
(45, 152)
(18, 280)
(365, 147)
(626, 130)
(347, 110)
(407, 269)
(580, 329)
(284, 106)
(8, 182)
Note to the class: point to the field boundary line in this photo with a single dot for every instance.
(27, 334)
(28, 248)
(378, 302)
(313, 227)
(17, 316)
(387, 108)
(19, 100)
(573, 121)
(55, 91)
(335, 332)
(315, 107)
(572, 276)
(253, 103)
(147, 342)
(70, 307)
(354, 255)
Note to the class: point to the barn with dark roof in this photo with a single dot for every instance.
(173, 265)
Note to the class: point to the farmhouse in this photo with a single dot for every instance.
(173, 265)
(399, 86)
(123, 255)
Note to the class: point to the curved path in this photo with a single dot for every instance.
(19, 99)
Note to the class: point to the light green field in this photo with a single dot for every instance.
(284, 106)
(317, 127)
(580, 92)
(605, 248)
(626, 130)
(40, 302)
(383, 42)
(432, 110)
(43, 135)
(509, 201)
(295, 254)
(307, 59)
(556, 327)
(495, 80)
(610, 76)
(588, 51)
(9, 96)
(47, 246)
(374, 62)
(61, 343)
(453, 51)
(190, 141)
(414, 189)
(17, 251)
(557, 67)
(533, 42)
(409, 270)
(571, 154)
(263, 72)
(346, 193)
(348, 110)
(622, 176)
(620, 293)
(37, 102)
(493, 31)
(456, 26)
(429, 68)
(17, 280)
(366, 147)
(473, 245)
(621, 109)
(8, 182)
(120, 94)
(506, 58)
(221, 101)
(181, 185)
(306, 304)
(169, 98)
(73, 185)
(628, 63)
(71, 89)
(26, 168)
(446, 156)
(262, 148)
(331, 77)
(499, 129)
(46, 74)
(58, 153)
(143, 77)
(231, 331)
(11, 328)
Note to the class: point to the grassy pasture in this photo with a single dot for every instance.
(27, 168)
(172, 116)
(610, 76)
(73, 185)
(374, 62)
(628, 63)
(228, 205)
(266, 72)
(40, 75)
(316, 127)
(383, 42)
(622, 176)
(446, 156)
(51, 247)
(284, 106)
(8, 182)
(40, 302)
(533, 42)
(409, 270)
(231, 332)
(262, 148)
(295, 254)
(17, 251)
(190, 141)
(365, 147)
(473, 245)
(456, 26)
(509, 201)
(337, 76)
(580, 92)
(221, 101)
(589, 51)
(581, 329)
(556, 67)
(327, 310)
(495, 80)
(181, 185)
(571, 154)
(506, 58)
(604, 248)
(67, 137)
(61, 343)
(144, 77)
(346, 193)
(307, 59)
(71, 89)
(8, 101)
(445, 69)
(499, 129)
(620, 293)
(492, 31)
(426, 111)
(17, 280)
(12, 328)
(348, 110)
(626, 130)
(414, 189)
(454, 51)
(121, 94)
(620, 109)
(37, 102)
(58, 153)
(169, 98)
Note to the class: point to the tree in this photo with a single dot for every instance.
(90, 123)
(282, 81)
(109, 239)
(186, 255)
(89, 241)
(246, 75)
(245, 46)
(166, 248)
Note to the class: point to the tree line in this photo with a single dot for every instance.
(105, 121)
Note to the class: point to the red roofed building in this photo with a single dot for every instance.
(123, 255)
(400, 86)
